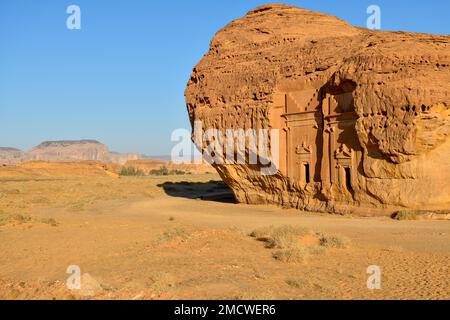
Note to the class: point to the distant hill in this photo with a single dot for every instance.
(67, 151)
(165, 158)
(65, 143)
(11, 155)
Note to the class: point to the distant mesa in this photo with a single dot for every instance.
(66, 143)
(10, 155)
(87, 158)
(66, 151)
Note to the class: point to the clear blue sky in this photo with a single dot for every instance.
(121, 78)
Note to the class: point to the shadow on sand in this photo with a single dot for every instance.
(208, 191)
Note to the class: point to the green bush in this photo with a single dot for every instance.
(131, 172)
(177, 172)
(163, 171)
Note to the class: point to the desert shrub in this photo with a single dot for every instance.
(297, 283)
(286, 239)
(77, 206)
(177, 172)
(21, 218)
(173, 234)
(17, 218)
(334, 241)
(12, 191)
(406, 215)
(295, 243)
(281, 237)
(293, 254)
(316, 250)
(163, 171)
(261, 233)
(50, 221)
(131, 172)
(3, 220)
(40, 200)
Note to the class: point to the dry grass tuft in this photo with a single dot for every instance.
(40, 200)
(173, 234)
(406, 215)
(23, 219)
(50, 221)
(287, 239)
(295, 243)
(297, 283)
(76, 206)
(292, 255)
(283, 237)
(334, 241)
(15, 219)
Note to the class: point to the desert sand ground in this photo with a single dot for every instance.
(179, 237)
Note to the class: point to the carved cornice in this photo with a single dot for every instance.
(343, 152)
(303, 149)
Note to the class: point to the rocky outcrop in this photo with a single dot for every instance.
(72, 151)
(10, 155)
(364, 116)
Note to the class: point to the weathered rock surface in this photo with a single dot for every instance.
(71, 151)
(364, 116)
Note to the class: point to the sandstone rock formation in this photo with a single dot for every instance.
(364, 116)
(82, 150)
(10, 155)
